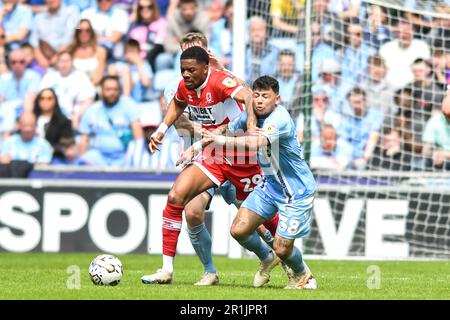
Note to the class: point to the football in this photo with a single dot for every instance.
(106, 269)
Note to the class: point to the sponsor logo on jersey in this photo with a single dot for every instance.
(228, 82)
(202, 114)
(190, 98)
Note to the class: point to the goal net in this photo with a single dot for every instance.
(364, 81)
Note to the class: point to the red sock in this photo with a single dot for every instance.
(172, 218)
(272, 224)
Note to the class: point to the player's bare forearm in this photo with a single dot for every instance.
(174, 112)
(249, 142)
(245, 96)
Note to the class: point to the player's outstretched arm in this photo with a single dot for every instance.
(249, 142)
(174, 111)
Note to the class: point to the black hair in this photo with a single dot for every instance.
(265, 83)
(133, 43)
(286, 52)
(197, 53)
(37, 109)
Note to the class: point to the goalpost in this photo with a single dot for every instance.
(394, 202)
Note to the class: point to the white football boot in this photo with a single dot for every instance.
(160, 277)
(263, 274)
(208, 279)
(302, 280)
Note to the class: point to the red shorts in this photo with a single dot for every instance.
(243, 176)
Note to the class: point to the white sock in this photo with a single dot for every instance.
(269, 257)
(168, 263)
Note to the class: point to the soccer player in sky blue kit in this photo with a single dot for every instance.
(288, 186)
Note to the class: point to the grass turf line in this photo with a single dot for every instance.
(45, 276)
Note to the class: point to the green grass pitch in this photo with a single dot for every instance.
(45, 276)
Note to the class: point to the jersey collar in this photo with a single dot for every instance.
(199, 89)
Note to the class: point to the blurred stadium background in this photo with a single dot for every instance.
(363, 79)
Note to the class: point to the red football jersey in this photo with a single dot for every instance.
(212, 103)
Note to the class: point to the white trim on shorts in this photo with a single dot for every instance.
(208, 174)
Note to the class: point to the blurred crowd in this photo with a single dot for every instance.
(378, 79)
(82, 82)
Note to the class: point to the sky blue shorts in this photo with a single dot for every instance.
(295, 216)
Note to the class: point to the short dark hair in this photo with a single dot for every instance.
(356, 91)
(265, 83)
(197, 53)
(133, 43)
(181, 2)
(286, 52)
(376, 60)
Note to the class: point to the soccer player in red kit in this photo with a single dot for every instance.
(213, 99)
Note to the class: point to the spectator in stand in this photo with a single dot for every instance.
(320, 116)
(330, 81)
(380, 94)
(322, 16)
(376, 32)
(222, 36)
(342, 11)
(25, 145)
(261, 56)
(74, 90)
(135, 73)
(187, 17)
(110, 24)
(138, 155)
(361, 128)
(410, 122)
(390, 154)
(16, 20)
(322, 50)
(399, 54)
(436, 138)
(439, 35)
(330, 152)
(88, 56)
(426, 93)
(424, 21)
(53, 31)
(70, 153)
(30, 60)
(289, 80)
(19, 87)
(286, 17)
(439, 60)
(108, 126)
(52, 124)
(150, 30)
(3, 53)
(356, 54)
